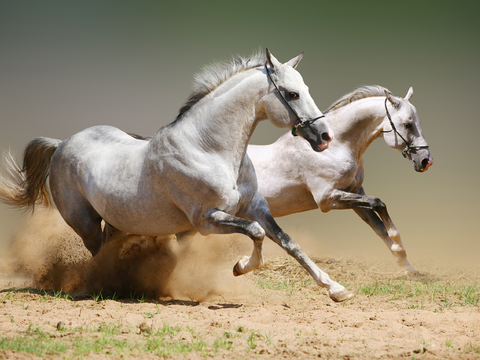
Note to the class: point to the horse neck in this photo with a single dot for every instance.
(224, 120)
(358, 123)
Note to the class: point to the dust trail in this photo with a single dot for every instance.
(159, 268)
(49, 251)
(206, 268)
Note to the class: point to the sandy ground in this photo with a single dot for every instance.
(196, 292)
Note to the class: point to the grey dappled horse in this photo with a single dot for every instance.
(293, 178)
(193, 175)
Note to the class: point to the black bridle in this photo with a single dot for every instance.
(301, 123)
(408, 149)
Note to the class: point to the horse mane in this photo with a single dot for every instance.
(359, 93)
(214, 75)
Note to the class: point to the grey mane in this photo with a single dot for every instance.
(214, 75)
(359, 93)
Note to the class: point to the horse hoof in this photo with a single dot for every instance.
(342, 295)
(239, 268)
(255, 231)
(412, 274)
(236, 270)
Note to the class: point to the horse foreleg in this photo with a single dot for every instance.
(384, 226)
(346, 200)
(376, 224)
(258, 210)
(220, 222)
(249, 263)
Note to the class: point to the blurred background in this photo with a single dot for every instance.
(65, 66)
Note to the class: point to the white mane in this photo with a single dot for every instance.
(361, 92)
(214, 75)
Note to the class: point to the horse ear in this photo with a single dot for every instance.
(393, 99)
(272, 61)
(294, 62)
(409, 94)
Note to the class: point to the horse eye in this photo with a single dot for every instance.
(408, 125)
(293, 95)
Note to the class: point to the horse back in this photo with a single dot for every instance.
(102, 169)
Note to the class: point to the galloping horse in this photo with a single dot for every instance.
(193, 175)
(293, 178)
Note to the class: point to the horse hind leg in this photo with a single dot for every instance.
(90, 230)
(85, 221)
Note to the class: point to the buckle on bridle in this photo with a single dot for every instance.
(302, 124)
(412, 149)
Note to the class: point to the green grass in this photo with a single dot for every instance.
(170, 341)
(420, 291)
(167, 341)
(37, 343)
(444, 294)
(472, 348)
(286, 285)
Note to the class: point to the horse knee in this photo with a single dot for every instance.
(255, 231)
(378, 205)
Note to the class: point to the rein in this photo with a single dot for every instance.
(301, 123)
(409, 149)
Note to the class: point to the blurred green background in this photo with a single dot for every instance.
(68, 65)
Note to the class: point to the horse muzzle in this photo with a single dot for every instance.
(426, 163)
(318, 135)
(421, 163)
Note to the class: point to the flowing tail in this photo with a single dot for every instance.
(24, 188)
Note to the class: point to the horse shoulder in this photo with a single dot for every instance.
(192, 177)
(281, 176)
(344, 167)
(276, 168)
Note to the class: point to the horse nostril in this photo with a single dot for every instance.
(424, 163)
(326, 137)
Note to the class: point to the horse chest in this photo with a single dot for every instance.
(349, 175)
(208, 181)
(339, 169)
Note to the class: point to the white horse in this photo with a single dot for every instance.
(293, 178)
(193, 175)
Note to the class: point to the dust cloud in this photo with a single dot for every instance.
(54, 257)
(47, 254)
(46, 250)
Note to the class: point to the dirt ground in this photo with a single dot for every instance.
(273, 313)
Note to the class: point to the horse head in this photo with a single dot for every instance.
(402, 131)
(289, 104)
